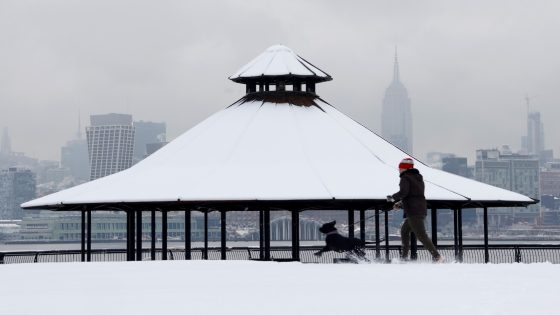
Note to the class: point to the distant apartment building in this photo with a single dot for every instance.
(147, 133)
(456, 165)
(450, 163)
(110, 140)
(16, 187)
(550, 179)
(74, 157)
(515, 172)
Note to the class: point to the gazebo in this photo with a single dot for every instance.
(279, 147)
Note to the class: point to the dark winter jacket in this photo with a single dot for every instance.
(340, 243)
(412, 193)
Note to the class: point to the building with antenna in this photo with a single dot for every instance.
(396, 116)
(74, 156)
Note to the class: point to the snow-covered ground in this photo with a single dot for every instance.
(242, 287)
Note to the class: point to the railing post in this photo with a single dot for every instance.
(486, 253)
(517, 254)
(188, 255)
(164, 234)
(223, 234)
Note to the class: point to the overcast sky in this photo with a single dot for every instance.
(467, 64)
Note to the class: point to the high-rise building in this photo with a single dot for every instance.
(456, 165)
(16, 187)
(5, 144)
(535, 134)
(396, 116)
(110, 140)
(550, 179)
(74, 157)
(147, 132)
(515, 172)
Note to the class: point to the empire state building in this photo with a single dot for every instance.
(396, 117)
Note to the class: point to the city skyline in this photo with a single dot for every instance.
(468, 66)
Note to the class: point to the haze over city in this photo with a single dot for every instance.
(468, 66)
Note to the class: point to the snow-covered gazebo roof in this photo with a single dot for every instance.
(280, 149)
(279, 61)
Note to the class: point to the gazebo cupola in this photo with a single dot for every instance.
(279, 70)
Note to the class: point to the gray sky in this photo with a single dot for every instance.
(467, 64)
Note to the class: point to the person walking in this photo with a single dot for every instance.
(411, 198)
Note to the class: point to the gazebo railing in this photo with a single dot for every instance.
(471, 254)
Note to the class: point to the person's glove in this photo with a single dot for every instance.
(397, 205)
(390, 199)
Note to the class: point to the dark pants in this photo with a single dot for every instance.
(415, 224)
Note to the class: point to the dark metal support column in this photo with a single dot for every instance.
(88, 235)
(295, 235)
(460, 228)
(132, 234)
(351, 223)
(83, 241)
(387, 258)
(267, 234)
(205, 250)
(153, 234)
(363, 225)
(486, 253)
(139, 235)
(188, 255)
(128, 237)
(164, 235)
(455, 234)
(434, 226)
(261, 233)
(223, 235)
(377, 238)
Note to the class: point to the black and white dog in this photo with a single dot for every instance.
(339, 243)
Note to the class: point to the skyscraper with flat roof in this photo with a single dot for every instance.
(16, 187)
(110, 141)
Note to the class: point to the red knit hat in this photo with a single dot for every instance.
(406, 163)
